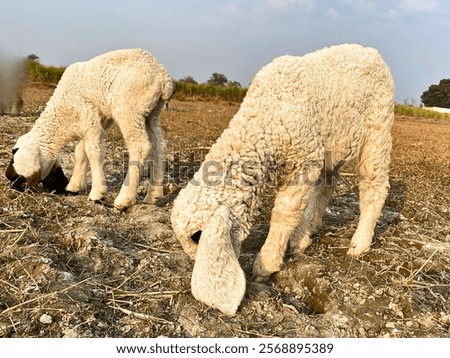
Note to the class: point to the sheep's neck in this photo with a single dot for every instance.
(239, 168)
(53, 134)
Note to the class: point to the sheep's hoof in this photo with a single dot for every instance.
(96, 196)
(152, 200)
(103, 203)
(260, 274)
(72, 193)
(258, 278)
(356, 251)
(123, 203)
(121, 208)
(153, 195)
(299, 249)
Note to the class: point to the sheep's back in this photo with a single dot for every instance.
(335, 94)
(118, 81)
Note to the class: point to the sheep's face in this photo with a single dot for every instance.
(26, 168)
(191, 213)
(207, 231)
(20, 182)
(189, 216)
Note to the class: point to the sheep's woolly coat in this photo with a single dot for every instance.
(129, 87)
(305, 116)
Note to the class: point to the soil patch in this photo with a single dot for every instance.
(73, 268)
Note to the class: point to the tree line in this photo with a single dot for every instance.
(437, 95)
(216, 87)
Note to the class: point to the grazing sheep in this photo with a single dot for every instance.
(13, 77)
(308, 116)
(128, 87)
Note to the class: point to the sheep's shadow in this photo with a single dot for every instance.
(342, 212)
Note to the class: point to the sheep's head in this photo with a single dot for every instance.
(207, 231)
(27, 168)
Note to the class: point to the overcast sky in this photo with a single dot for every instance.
(236, 38)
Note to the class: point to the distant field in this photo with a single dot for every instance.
(408, 111)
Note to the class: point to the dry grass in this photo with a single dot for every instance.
(72, 268)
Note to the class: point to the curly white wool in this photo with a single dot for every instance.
(308, 115)
(129, 87)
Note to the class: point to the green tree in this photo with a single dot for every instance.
(234, 84)
(218, 79)
(188, 79)
(437, 95)
(33, 57)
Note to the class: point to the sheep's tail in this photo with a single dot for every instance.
(167, 89)
(217, 278)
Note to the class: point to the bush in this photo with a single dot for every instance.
(205, 91)
(46, 74)
(184, 88)
(404, 110)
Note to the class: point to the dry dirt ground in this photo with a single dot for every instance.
(73, 268)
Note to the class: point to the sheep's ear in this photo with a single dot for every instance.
(217, 278)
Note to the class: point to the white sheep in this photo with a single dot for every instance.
(13, 78)
(308, 116)
(128, 87)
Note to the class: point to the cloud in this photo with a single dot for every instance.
(332, 14)
(418, 5)
(281, 4)
(360, 5)
(393, 14)
(230, 8)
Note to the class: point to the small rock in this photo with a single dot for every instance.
(340, 320)
(70, 332)
(445, 318)
(126, 328)
(102, 325)
(390, 325)
(46, 319)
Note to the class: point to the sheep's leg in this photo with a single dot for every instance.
(95, 151)
(77, 182)
(17, 106)
(373, 189)
(290, 204)
(157, 156)
(312, 218)
(138, 148)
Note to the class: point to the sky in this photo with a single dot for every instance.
(236, 38)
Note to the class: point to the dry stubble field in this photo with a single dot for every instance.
(73, 268)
